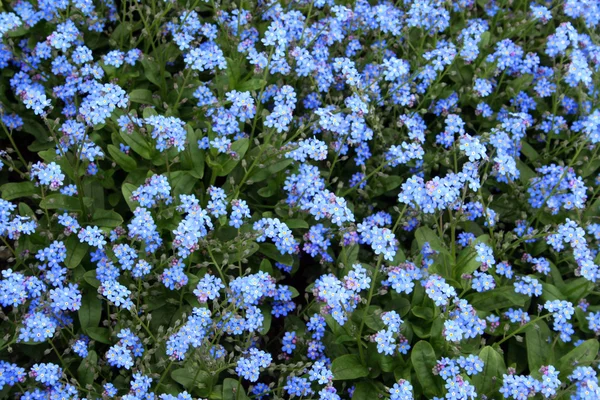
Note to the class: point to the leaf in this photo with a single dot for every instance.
(142, 96)
(268, 319)
(529, 151)
(107, 218)
(580, 355)
(151, 70)
(233, 390)
(498, 298)
(191, 378)
(489, 379)
(577, 289)
(90, 278)
(123, 160)
(98, 334)
(11, 191)
(423, 360)
(75, 251)
(372, 318)
(425, 313)
(57, 201)
(484, 39)
(86, 370)
(271, 251)
(193, 158)
(227, 162)
(427, 235)
(348, 367)
(550, 292)
(137, 143)
(252, 84)
(467, 260)
(263, 173)
(127, 189)
(526, 173)
(296, 223)
(183, 182)
(539, 351)
(90, 311)
(364, 391)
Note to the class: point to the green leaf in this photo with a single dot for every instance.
(526, 173)
(296, 223)
(137, 143)
(268, 318)
(427, 235)
(152, 70)
(191, 378)
(183, 182)
(126, 162)
(90, 311)
(127, 189)
(107, 218)
(348, 367)
(86, 370)
(489, 380)
(232, 390)
(529, 151)
(228, 163)
(142, 96)
(539, 351)
(57, 201)
(263, 173)
(498, 298)
(423, 360)
(11, 191)
(90, 278)
(193, 157)
(252, 84)
(271, 251)
(425, 313)
(580, 355)
(75, 251)
(484, 39)
(577, 289)
(364, 391)
(551, 292)
(467, 259)
(101, 335)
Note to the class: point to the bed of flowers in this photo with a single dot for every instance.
(312, 199)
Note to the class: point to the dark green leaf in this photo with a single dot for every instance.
(489, 380)
(423, 360)
(273, 253)
(122, 159)
(233, 390)
(580, 355)
(539, 351)
(11, 191)
(137, 143)
(348, 367)
(427, 235)
(75, 251)
(143, 96)
(101, 335)
(107, 218)
(57, 201)
(498, 298)
(90, 311)
(227, 162)
(86, 370)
